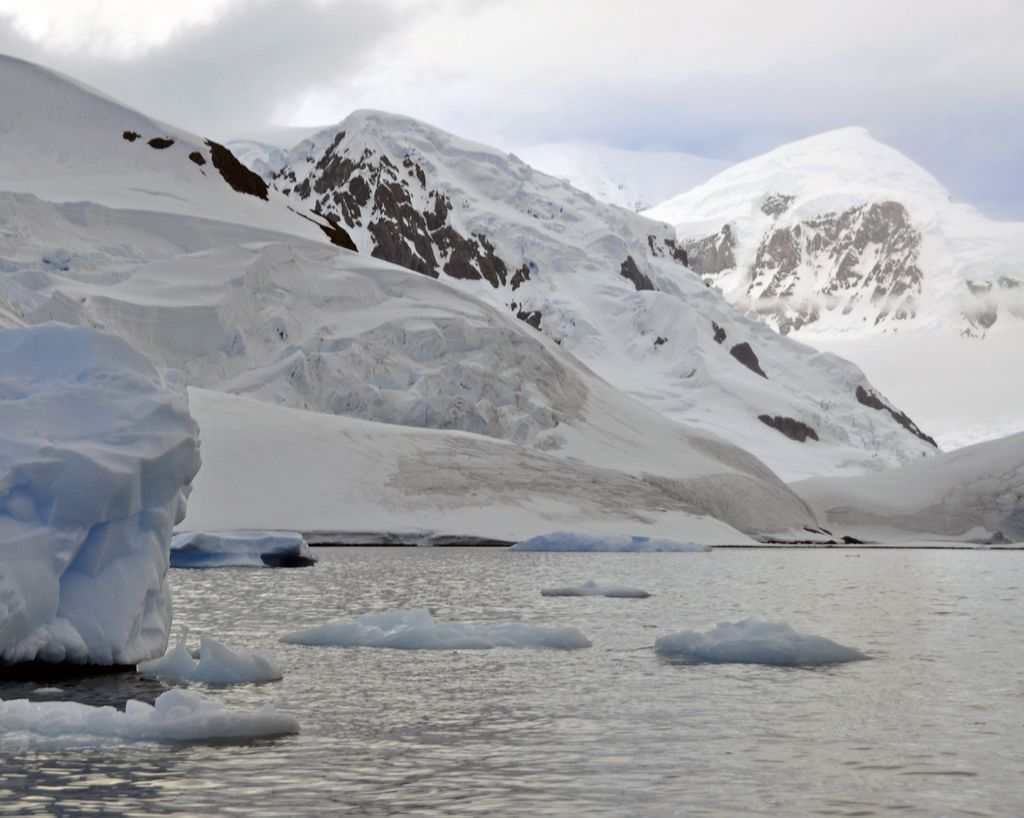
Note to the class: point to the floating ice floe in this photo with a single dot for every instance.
(177, 715)
(217, 664)
(274, 549)
(97, 453)
(575, 541)
(591, 588)
(754, 642)
(416, 629)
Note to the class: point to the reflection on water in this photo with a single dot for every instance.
(930, 725)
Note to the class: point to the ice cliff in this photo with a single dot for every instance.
(97, 455)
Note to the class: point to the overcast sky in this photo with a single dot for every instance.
(942, 81)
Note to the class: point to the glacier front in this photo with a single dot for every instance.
(97, 455)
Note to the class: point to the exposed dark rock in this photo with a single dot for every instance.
(235, 173)
(776, 204)
(160, 142)
(531, 317)
(197, 157)
(519, 276)
(848, 540)
(677, 252)
(874, 401)
(839, 243)
(712, 254)
(719, 332)
(659, 341)
(793, 429)
(131, 136)
(744, 353)
(630, 271)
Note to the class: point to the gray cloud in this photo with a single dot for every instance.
(942, 81)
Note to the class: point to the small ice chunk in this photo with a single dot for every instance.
(217, 664)
(753, 641)
(177, 715)
(416, 629)
(258, 549)
(47, 691)
(591, 588)
(575, 541)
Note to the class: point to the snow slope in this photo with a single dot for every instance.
(608, 285)
(635, 180)
(973, 494)
(340, 479)
(845, 243)
(97, 451)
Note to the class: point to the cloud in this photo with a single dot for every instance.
(228, 75)
(940, 80)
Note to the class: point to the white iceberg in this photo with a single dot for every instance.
(97, 453)
(217, 664)
(177, 715)
(416, 629)
(753, 642)
(577, 541)
(591, 588)
(274, 549)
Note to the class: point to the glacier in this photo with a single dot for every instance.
(97, 455)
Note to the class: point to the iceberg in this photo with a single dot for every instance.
(217, 664)
(274, 549)
(591, 588)
(753, 642)
(176, 715)
(416, 629)
(97, 454)
(577, 541)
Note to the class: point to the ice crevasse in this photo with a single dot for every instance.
(97, 454)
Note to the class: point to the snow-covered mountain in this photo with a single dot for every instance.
(845, 243)
(608, 285)
(243, 293)
(635, 180)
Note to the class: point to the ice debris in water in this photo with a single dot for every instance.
(576, 541)
(753, 641)
(591, 588)
(217, 664)
(416, 629)
(273, 549)
(176, 715)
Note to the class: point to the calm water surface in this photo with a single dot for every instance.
(934, 723)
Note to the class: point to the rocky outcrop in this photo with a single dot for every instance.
(712, 254)
(872, 399)
(630, 271)
(791, 428)
(745, 354)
